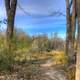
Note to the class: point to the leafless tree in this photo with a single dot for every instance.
(78, 42)
(68, 33)
(10, 6)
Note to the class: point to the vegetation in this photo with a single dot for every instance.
(33, 52)
(26, 55)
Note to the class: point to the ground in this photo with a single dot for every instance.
(46, 68)
(40, 72)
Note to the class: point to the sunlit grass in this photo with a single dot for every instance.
(58, 57)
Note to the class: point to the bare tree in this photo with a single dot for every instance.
(73, 21)
(73, 32)
(78, 42)
(68, 33)
(10, 6)
(56, 43)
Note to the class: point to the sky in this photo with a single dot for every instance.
(39, 16)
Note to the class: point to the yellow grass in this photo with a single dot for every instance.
(58, 57)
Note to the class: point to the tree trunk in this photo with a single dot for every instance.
(73, 21)
(78, 53)
(78, 43)
(73, 27)
(68, 33)
(10, 11)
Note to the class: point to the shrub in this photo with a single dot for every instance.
(6, 60)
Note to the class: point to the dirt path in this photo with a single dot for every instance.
(54, 72)
(44, 72)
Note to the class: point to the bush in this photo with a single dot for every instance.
(6, 61)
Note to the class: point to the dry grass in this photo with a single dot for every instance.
(57, 57)
(71, 70)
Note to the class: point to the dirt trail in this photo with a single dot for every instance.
(54, 72)
(44, 72)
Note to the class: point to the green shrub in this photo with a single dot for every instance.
(6, 60)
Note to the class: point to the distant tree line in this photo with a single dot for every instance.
(44, 43)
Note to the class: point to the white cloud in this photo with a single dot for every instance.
(35, 7)
(42, 7)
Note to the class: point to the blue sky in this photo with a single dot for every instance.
(36, 19)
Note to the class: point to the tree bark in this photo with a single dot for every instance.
(73, 21)
(68, 33)
(78, 42)
(10, 6)
(73, 29)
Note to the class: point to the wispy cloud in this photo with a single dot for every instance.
(41, 7)
(38, 7)
(35, 7)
